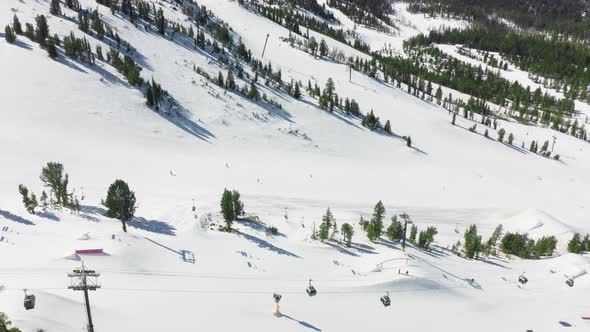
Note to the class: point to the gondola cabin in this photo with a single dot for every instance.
(570, 282)
(29, 302)
(311, 291)
(523, 280)
(386, 300)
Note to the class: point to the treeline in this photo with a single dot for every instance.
(430, 65)
(372, 13)
(577, 244)
(560, 61)
(567, 17)
(516, 244)
(293, 20)
(314, 7)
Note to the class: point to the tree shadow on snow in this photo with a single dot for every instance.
(491, 262)
(13, 217)
(91, 212)
(48, 215)
(267, 245)
(257, 226)
(304, 324)
(341, 249)
(182, 121)
(154, 226)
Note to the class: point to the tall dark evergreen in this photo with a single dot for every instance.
(227, 209)
(9, 35)
(387, 127)
(473, 244)
(16, 26)
(42, 29)
(347, 232)
(328, 221)
(51, 49)
(237, 204)
(375, 226)
(55, 7)
(395, 231)
(120, 202)
(161, 22)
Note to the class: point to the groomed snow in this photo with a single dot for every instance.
(99, 128)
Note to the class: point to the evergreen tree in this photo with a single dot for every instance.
(438, 95)
(575, 244)
(6, 325)
(149, 95)
(454, 118)
(97, 24)
(395, 231)
(297, 91)
(227, 209)
(51, 49)
(52, 175)
(120, 202)
(545, 147)
(545, 246)
(230, 82)
(42, 30)
(220, 81)
(413, 233)
(347, 233)
(326, 225)
(43, 199)
(9, 35)
(253, 91)
(387, 127)
(425, 238)
(29, 201)
(16, 26)
(161, 22)
(323, 48)
(375, 228)
(496, 235)
(237, 204)
(472, 242)
(312, 45)
(510, 139)
(518, 244)
(30, 31)
(55, 8)
(501, 134)
(409, 141)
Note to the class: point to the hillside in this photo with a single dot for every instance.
(290, 163)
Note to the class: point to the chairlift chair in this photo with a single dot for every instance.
(277, 297)
(311, 291)
(386, 300)
(29, 301)
(570, 282)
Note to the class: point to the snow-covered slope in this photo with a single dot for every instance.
(294, 162)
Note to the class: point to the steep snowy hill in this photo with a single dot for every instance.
(290, 164)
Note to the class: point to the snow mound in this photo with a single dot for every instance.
(537, 224)
(73, 257)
